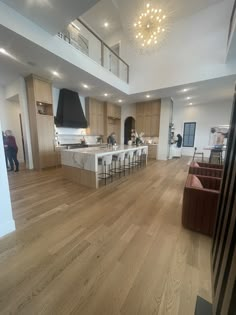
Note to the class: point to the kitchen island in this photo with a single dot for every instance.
(81, 165)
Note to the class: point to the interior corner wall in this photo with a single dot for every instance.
(165, 120)
(206, 116)
(7, 223)
(126, 111)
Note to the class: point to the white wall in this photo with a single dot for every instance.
(126, 111)
(9, 116)
(7, 223)
(165, 120)
(206, 116)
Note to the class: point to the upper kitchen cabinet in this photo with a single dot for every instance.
(148, 118)
(95, 116)
(113, 111)
(43, 91)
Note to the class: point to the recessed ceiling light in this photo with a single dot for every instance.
(55, 73)
(85, 86)
(106, 24)
(3, 51)
(105, 94)
(188, 98)
(147, 96)
(190, 103)
(120, 101)
(185, 90)
(6, 53)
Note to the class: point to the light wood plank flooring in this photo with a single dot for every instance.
(118, 250)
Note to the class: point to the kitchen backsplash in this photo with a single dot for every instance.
(71, 136)
(151, 140)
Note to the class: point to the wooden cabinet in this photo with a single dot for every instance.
(95, 116)
(113, 111)
(152, 151)
(148, 118)
(43, 91)
(103, 118)
(39, 94)
(112, 122)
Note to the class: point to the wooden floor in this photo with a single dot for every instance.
(118, 250)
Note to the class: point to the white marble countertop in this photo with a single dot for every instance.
(98, 151)
(87, 158)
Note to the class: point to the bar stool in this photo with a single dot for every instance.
(198, 153)
(120, 158)
(137, 156)
(105, 162)
(129, 156)
(144, 156)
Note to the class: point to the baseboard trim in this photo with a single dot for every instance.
(7, 227)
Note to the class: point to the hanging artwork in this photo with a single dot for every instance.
(219, 135)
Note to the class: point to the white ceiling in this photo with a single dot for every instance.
(51, 15)
(31, 58)
(120, 14)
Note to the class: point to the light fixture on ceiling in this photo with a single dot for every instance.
(85, 86)
(106, 24)
(75, 26)
(105, 94)
(147, 96)
(150, 26)
(3, 51)
(55, 73)
(190, 103)
(120, 101)
(188, 98)
(6, 53)
(185, 90)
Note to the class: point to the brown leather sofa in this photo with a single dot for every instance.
(200, 201)
(206, 169)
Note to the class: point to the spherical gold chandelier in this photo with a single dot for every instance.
(150, 27)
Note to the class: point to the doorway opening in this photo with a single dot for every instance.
(12, 120)
(129, 125)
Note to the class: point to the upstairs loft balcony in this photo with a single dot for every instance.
(80, 36)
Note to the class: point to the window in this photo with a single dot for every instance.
(189, 134)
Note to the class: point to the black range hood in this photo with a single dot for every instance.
(69, 111)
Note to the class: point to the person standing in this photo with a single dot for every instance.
(12, 150)
(4, 139)
(111, 139)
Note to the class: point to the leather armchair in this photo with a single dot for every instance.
(206, 169)
(210, 165)
(200, 203)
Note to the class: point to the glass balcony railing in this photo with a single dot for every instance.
(80, 36)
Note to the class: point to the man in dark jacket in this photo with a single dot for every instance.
(111, 139)
(4, 139)
(12, 150)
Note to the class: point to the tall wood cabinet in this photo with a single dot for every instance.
(95, 116)
(148, 118)
(112, 120)
(39, 94)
